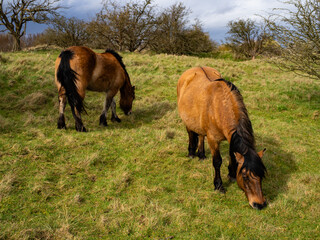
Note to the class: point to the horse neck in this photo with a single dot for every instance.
(126, 87)
(244, 127)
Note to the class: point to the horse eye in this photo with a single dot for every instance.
(245, 177)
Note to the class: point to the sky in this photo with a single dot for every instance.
(213, 14)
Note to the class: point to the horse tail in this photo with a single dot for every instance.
(68, 79)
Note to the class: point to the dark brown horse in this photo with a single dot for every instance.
(78, 69)
(213, 107)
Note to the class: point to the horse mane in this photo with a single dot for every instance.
(126, 90)
(119, 58)
(242, 140)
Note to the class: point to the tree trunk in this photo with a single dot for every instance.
(16, 44)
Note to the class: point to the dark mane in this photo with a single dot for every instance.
(119, 58)
(252, 161)
(229, 84)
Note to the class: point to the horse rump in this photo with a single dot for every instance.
(68, 79)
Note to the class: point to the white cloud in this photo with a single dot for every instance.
(215, 14)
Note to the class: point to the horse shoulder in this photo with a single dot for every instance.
(98, 69)
(224, 109)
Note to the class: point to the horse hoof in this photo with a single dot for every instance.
(220, 189)
(202, 157)
(81, 129)
(105, 124)
(115, 119)
(232, 179)
(62, 126)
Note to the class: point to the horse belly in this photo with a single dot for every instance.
(98, 85)
(193, 117)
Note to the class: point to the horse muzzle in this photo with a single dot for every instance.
(129, 113)
(258, 205)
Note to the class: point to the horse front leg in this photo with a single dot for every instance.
(62, 105)
(216, 162)
(201, 151)
(114, 117)
(107, 104)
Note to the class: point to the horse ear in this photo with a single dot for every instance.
(261, 153)
(239, 157)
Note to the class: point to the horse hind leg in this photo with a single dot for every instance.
(114, 116)
(78, 121)
(201, 151)
(62, 105)
(193, 143)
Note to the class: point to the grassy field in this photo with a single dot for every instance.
(132, 180)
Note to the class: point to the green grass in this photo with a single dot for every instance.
(133, 180)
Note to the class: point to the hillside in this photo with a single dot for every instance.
(132, 180)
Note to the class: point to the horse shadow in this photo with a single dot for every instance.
(280, 166)
(141, 115)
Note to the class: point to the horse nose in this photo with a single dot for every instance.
(259, 206)
(129, 113)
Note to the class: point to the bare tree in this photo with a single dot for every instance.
(246, 38)
(15, 15)
(128, 26)
(174, 35)
(297, 30)
(65, 32)
(196, 40)
(171, 25)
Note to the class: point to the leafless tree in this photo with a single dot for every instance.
(246, 38)
(175, 36)
(171, 25)
(15, 15)
(297, 30)
(125, 27)
(65, 32)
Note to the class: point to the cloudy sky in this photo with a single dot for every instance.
(213, 14)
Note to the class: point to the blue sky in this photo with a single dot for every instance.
(213, 14)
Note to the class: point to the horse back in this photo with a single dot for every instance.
(206, 106)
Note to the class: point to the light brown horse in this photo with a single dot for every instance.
(213, 107)
(78, 69)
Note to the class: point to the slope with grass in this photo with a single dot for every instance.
(133, 180)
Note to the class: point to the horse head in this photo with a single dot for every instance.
(249, 177)
(126, 99)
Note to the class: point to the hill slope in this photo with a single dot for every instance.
(132, 180)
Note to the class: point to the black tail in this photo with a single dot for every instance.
(68, 77)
